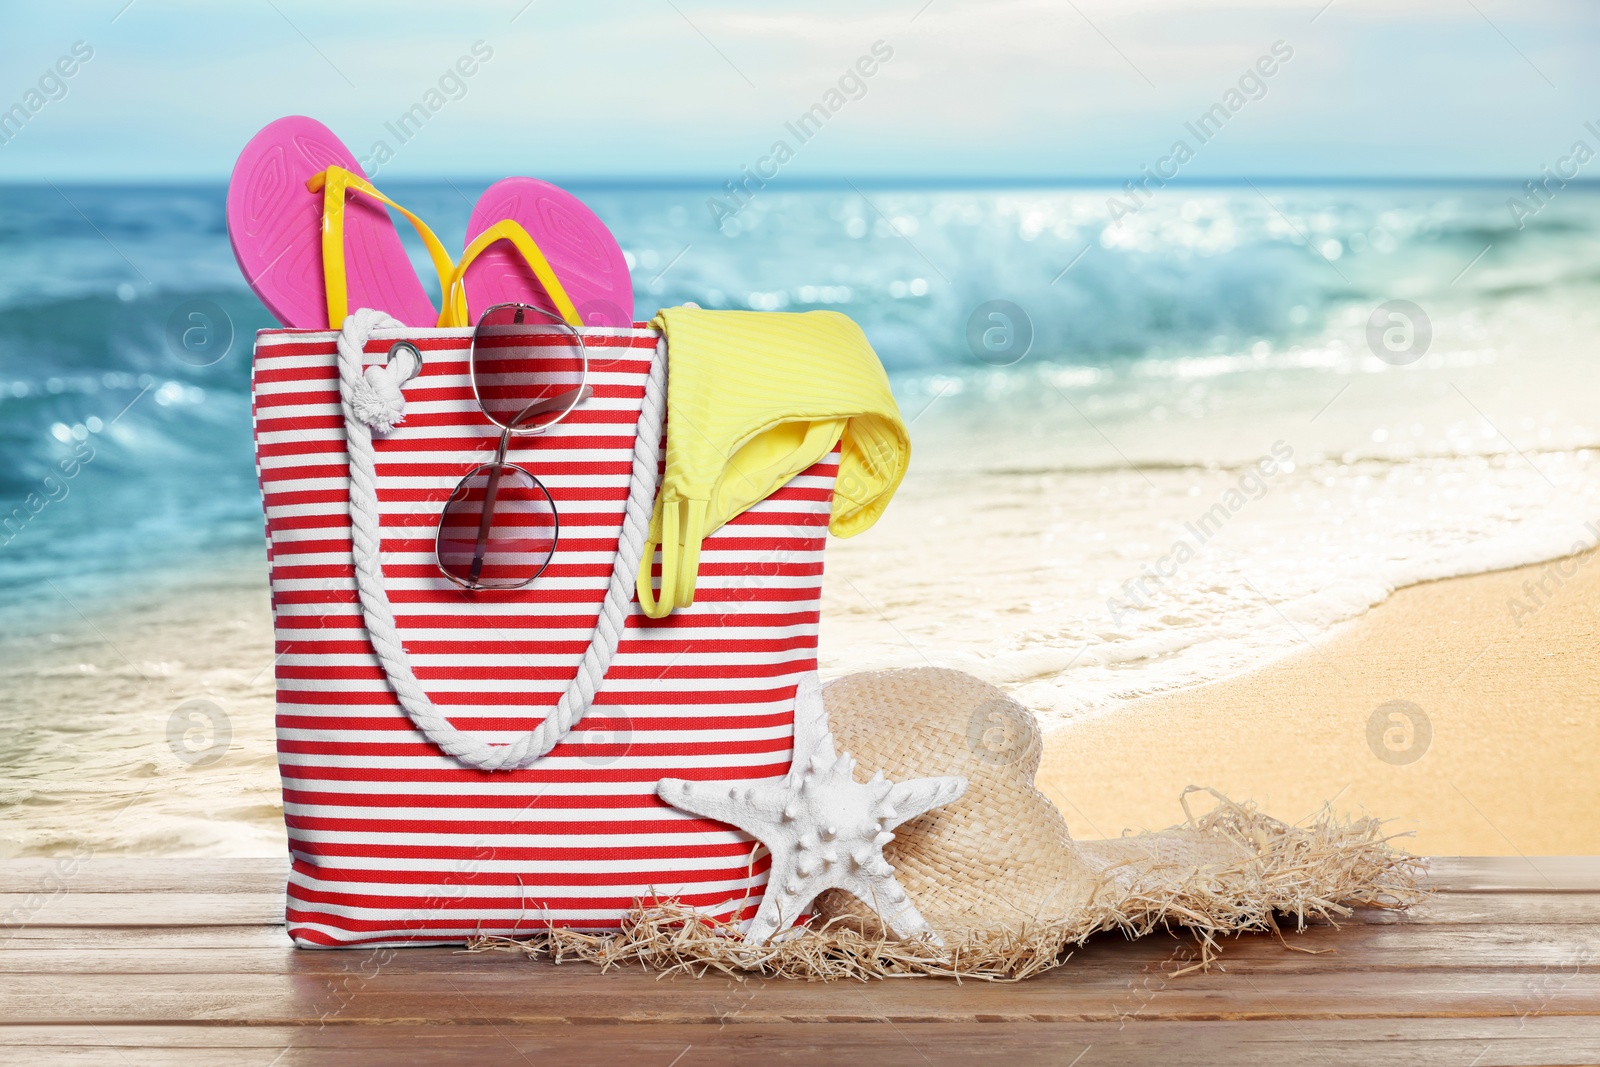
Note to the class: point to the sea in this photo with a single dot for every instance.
(1156, 442)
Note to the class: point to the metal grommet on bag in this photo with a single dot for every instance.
(401, 348)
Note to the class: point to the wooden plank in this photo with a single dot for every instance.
(1494, 906)
(124, 892)
(105, 909)
(1544, 874)
(176, 950)
(542, 995)
(121, 874)
(140, 962)
(267, 874)
(163, 938)
(1281, 1043)
(72, 908)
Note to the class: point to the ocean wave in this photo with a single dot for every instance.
(1350, 458)
(1176, 345)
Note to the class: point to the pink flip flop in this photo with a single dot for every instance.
(275, 227)
(581, 251)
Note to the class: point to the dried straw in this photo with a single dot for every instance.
(1264, 871)
(1002, 853)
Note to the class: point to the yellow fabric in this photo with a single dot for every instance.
(753, 399)
(333, 183)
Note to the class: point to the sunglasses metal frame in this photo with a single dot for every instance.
(499, 463)
(554, 320)
(499, 466)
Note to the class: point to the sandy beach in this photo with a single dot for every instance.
(1507, 674)
(149, 730)
(1205, 526)
(144, 727)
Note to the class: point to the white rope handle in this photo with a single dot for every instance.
(372, 399)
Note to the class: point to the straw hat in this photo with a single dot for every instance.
(995, 873)
(1002, 851)
(1001, 856)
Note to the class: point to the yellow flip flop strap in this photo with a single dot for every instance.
(334, 183)
(455, 299)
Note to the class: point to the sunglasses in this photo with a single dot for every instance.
(499, 528)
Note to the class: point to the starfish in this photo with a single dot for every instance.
(824, 829)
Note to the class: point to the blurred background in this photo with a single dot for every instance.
(1112, 254)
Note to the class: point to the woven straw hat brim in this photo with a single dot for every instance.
(996, 873)
(1002, 852)
(1001, 856)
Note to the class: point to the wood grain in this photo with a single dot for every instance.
(1482, 1043)
(132, 962)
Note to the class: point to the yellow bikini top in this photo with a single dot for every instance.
(753, 399)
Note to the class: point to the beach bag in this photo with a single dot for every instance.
(394, 840)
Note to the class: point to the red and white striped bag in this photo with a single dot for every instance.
(393, 841)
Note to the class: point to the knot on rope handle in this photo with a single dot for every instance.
(376, 401)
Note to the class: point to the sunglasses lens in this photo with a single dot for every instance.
(527, 366)
(498, 529)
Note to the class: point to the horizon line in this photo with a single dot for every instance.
(880, 181)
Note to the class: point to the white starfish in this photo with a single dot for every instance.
(824, 829)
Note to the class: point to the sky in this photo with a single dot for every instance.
(1016, 89)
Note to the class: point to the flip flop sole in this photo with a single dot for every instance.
(578, 245)
(275, 227)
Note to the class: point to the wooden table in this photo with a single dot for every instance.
(134, 962)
